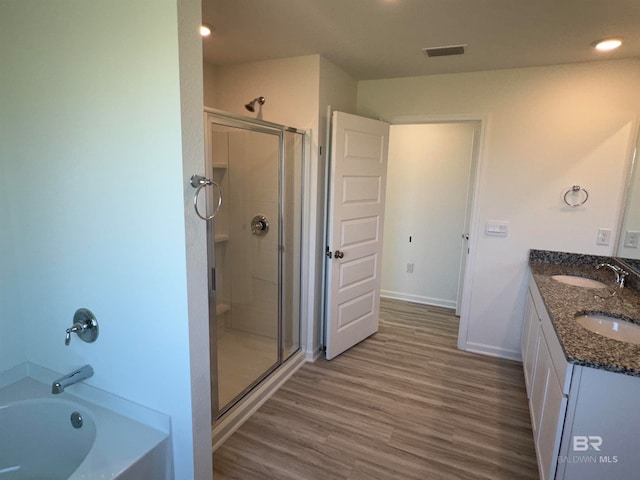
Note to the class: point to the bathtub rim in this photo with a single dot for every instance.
(28, 381)
(90, 394)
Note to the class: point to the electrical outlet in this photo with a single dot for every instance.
(604, 236)
(409, 267)
(631, 239)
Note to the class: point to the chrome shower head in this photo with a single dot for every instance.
(251, 106)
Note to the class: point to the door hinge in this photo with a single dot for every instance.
(213, 279)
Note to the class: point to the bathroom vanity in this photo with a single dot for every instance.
(583, 387)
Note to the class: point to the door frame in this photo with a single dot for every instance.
(475, 229)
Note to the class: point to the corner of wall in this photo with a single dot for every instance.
(191, 103)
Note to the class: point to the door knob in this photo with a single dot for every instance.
(338, 254)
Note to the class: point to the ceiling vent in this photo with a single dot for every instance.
(444, 51)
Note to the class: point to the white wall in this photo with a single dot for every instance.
(427, 185)
(549, 128)
(631, 221)
(93, 159)
(191, 101)
(12, 351)
(338, 90)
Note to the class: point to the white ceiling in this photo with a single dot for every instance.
(372, 39)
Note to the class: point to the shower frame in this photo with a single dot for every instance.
(226, 119)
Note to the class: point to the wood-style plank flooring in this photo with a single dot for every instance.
(403, 404)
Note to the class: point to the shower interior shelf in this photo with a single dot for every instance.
(222, 308)
(221, 166)
(221, 237)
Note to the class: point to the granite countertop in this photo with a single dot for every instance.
(563, 302)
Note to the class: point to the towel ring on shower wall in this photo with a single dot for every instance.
(199, 182)
(575, 190)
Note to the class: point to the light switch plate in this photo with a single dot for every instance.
(604, 236)
(631, 239)
(496, 228)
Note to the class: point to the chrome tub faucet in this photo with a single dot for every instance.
(76, 376)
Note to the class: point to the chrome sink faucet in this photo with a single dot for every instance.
(621, 274)
(76, 376)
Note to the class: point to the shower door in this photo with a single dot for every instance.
(254, 296)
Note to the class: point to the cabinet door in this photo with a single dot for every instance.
(548, 406)
(529, 343)
(539, 382)
(550, 426)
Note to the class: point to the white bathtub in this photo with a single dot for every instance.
(38, 440)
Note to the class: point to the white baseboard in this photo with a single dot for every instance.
(408, 297)
(234, 418)
(493, 351)
(313, 355)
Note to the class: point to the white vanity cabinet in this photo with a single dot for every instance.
(547, 386)
(585, 421)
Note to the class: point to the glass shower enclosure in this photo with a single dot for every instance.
(254, 245)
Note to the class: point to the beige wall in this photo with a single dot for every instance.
(209, 84)
(297, 91)
(289, 85)
(428, 177)
(547, 129)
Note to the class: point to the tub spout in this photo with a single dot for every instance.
(76, 376)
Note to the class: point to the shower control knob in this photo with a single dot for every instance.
(85, 326)
(259, 225)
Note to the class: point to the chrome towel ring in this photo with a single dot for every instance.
(199, 182)
(576, 189)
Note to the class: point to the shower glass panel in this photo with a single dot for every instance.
(255, 254)
(292, 212)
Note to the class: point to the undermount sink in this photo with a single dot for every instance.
(578, 281)
(610, 327)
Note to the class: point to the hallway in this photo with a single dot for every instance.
(403, 404)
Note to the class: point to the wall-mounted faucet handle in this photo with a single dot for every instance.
(75, 329)
(85, 326)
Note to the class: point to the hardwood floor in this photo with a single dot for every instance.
(403, 404)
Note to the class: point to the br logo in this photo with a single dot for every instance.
(583, 443)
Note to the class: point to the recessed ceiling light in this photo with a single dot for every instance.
(205, 30)
(607, 44)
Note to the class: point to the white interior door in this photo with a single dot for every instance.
(466, 244)
(357, 183)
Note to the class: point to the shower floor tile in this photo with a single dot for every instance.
(242, 358)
